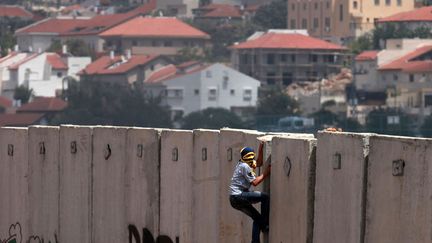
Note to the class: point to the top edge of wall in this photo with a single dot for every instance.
(227, 129)
(288, 134)
(346, 134)
(43, 127)
(295, 138)
(14, 128)
(206, 130)
(176, 130)
(406, 138)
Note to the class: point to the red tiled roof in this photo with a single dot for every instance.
(287, 41)
(54, 25)
(221, 11)
(367, 56)
(170, 72)
(20, 119)
(155, 27)
(105, 65)
(56, 62)
(5, 102)
(162, 73)
(10, 55)
(143, 9)
(407, 64)
(420, 14)
(14, 11)
(28, 58)
(44, 104)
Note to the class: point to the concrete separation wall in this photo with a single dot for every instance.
(141, 185)
(399, 191)
(292, 190)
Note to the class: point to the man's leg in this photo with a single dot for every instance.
(240, 203)
(255, 197)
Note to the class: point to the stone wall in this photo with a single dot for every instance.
(143, 185)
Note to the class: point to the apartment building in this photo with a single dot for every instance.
(178, 7)
(340, 21)
(417, 18)
(155, 36)
(281, 57)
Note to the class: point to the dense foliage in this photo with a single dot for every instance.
(212, 118)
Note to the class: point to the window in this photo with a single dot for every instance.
(293, 58)
(243, 59)
(283, 57)
(411, 78)
(395, 77)
(355, 4)
(167, 43)
(225, 82)
(327, 24)
(270, 58)
(304, 6)
(315, 23)
(134, 43)
(293, 24)
(293, 6)
(428, 100)
(313, 58)
(327, 5)
(287, 78)
(304, 23)
(271, 78)
(341, 17)
(377, 2)
(154, 43)
(174, 93)
(208, 74)
(316, 5)
(59, 74)
(399, 2)
(212, 93)
(232, 92)
(196, 92)
(388, 2)
(247, 94)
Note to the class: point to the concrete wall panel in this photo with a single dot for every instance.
(43, 155)
(108, 207)
(142, 179)
(205, 186)
(234, 226)
(176, 185)
(399, 206)
(339, 196)
(13, 180)
(75, 183)
(292, 190)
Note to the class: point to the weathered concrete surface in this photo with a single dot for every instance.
(234, 226)
(75, 183)
(142, 179)
(205, 186)
(339, 196)
(43, 155)
(176, 185)
(13, 180)
(292, 189)
(109, 207)
(399, 208)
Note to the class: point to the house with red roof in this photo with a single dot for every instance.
(403, 71)
(40, 35)
(413, 19)
(123, 69)
(155, 36)
(195, 86)
(284, 56)
(14, 11)
(218, 14)
(45, 73)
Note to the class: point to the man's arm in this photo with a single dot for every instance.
(260, 178)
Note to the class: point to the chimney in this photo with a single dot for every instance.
(64, 50)
(16, 48)
(39, 50)
(30, 49)
(128, 54)
(112, 55)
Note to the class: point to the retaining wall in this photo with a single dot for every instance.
(143, 185)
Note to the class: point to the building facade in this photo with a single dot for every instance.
(340, 21)
(283, 57)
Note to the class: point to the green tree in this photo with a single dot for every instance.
(389, 121)
(426, 128)
(212, 118)
(23, 93)
(75, 47)
(361, 44)
(272, 15)
(96, 103)
(275, 102)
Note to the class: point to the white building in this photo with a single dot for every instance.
(195, 86)
(46, 73)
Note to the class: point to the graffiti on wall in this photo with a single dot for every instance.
(15, 236)
(135, 236)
